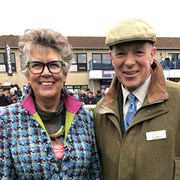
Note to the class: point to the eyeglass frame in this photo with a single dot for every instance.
(47, 65)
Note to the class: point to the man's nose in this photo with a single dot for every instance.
(130, 60)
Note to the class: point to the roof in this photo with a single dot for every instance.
(168, 43)
(87, 42)
(83, 42)
(11, 40)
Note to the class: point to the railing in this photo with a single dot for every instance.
(90, 106)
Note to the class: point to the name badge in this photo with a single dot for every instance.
(155, 135)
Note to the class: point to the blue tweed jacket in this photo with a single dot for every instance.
(25, 147)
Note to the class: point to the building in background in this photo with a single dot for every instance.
(91, 67)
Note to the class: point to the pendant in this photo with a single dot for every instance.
(58, 149)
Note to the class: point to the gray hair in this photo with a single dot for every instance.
(44, 38)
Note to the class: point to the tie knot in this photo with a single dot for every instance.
(131, 98)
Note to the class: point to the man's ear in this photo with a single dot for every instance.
(111, 56)
(153, 52)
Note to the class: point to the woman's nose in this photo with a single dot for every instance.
(46, 71)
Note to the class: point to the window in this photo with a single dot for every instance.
(102, 61)
(97, 58)
(2, 58)
(80, 60)
(106, 59)
(3, 64)
(174, 56)
(74, 60)
(102, 58)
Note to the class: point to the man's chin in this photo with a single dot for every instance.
(131, 87)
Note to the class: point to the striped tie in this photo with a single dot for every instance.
(131, 111)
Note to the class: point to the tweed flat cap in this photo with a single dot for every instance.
(130, 30)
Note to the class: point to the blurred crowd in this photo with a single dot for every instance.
(14, 93)
(10, 95)
(88, 97)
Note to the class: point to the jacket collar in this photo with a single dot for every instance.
(157, 90)
(72, 105)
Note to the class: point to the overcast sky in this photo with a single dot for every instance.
(87, 17)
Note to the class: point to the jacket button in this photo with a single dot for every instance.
(162, 105)
(149, 111)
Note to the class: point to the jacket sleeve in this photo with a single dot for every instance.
(6, 163)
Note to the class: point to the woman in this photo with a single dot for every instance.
(48, 134)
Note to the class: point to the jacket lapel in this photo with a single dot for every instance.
(157, 95)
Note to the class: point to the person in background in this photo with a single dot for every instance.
(1, 87)
(3, 98)
(18, 90)
(82, 95)
(87, 91)
(102, 92)
(12, 92)
(137, 122)
(14, 99)
(75, 94)
(48, 134)
(6, 93)
(90, 99)
(98, 95)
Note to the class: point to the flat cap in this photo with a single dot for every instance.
(130, 30)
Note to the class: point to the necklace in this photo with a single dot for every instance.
(58, 148)
(59, 133)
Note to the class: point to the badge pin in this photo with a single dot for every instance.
(155, 135)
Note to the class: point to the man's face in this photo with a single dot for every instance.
(132, 63)
(90, 95)
(76, 92)
(82, 91)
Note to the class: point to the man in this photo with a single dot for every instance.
(75, 94)
(90, 99)
(98, 96)
(12, 93)
(82, 95)
(137, 123)
(103, 92)
(3, 99)
(1, 86)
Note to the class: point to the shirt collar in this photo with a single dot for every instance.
(140, 92)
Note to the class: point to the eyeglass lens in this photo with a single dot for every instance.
(38, 67)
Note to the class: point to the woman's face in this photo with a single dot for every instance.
(45, 85)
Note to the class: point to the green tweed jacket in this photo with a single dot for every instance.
(150, 148)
